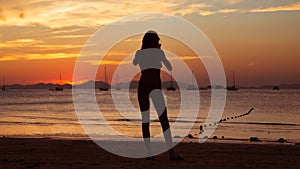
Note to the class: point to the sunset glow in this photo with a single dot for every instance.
(40, 39)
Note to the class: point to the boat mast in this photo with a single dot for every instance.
(3, 87)
(60, 80)
(105, 80)
(193, 82)
(233, 76)
(117, 79)
(171, 79)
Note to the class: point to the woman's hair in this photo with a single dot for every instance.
(150, 40)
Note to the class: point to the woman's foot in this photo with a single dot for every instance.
(176, 157)
(150, 158)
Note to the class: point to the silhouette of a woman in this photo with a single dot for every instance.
(150, 59)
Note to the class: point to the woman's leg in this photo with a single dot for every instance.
(144, 103)
(160, 107)
(146, 132)
(163, 119)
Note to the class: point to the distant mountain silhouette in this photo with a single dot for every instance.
(38, 86)
(281, 86)
(133, 85)
(89, 84)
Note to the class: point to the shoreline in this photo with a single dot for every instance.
(72, 153)
(184, 139)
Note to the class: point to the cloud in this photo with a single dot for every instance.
(228, 10)
(72, 36)
(39, 42)
(116, 62)
(63, 13)
(19, 43)
(51, 56)
(56, 14)
(189, 57)
(292, 7)
(2, 16)
(41, 29)
(233, 1)
(192, 8)
(7, 58)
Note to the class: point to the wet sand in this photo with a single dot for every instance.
(58, 153)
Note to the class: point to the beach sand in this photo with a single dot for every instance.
(58, 154)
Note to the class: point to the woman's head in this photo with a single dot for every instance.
(150, 40)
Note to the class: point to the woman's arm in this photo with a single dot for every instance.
(135, 60)
(166, 62)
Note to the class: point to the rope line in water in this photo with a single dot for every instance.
(224, 120)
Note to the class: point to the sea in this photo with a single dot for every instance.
(43, 113)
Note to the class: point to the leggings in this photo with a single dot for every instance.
(150, 87)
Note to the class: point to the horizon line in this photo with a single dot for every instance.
(50, 83)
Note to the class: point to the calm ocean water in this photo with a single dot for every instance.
(43, 113)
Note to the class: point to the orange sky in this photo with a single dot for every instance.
(260, 40)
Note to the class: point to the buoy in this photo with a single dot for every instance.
(254, 139)
(225, 119)
(281, 140)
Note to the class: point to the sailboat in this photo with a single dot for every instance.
(3, 87)
(233, 87)
(59, 88)
(171, 87)
(192, 87)
(117, 88)
(105, 88)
